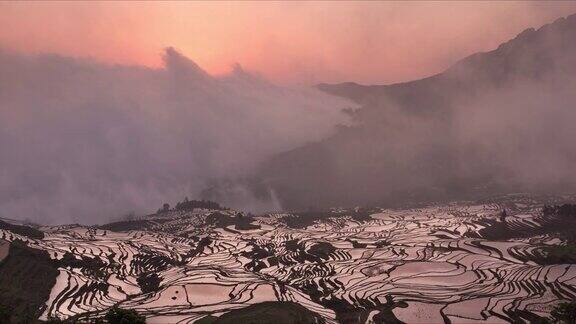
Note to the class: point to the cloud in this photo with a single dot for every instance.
(83, 142)
(496, 122)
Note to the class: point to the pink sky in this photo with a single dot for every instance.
(288, 42)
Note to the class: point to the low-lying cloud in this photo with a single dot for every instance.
(496, 122)
(85, 142)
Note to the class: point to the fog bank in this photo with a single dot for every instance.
(85, 142)
(496, 122)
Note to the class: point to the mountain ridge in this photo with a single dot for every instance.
(356, 91)
(428, 139)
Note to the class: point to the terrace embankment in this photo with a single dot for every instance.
(458, 262)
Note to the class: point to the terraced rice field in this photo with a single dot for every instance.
(428, 265)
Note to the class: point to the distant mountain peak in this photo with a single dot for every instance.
(532, 53)
(475, 129)
(175, 61)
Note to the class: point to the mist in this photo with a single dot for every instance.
(495, 123)
(86, 142)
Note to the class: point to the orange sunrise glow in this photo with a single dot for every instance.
(288, 42)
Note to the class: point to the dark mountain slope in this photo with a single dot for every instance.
(271, 312)
(457, 134)
(531, 54)
(26, 278)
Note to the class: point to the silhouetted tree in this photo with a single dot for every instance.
(191, 204)
(118, 315)
(565, 313)
(503, 215)
(5, 314)
(165, 208)
(129, 216)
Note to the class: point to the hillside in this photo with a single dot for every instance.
(532, 54)
(480, 128)
(501, 260)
